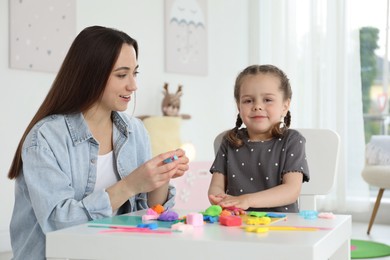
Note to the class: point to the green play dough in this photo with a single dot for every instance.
(213, 211)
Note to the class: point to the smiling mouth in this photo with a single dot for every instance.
(125, 97)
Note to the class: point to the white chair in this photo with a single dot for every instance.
(322, 152)
(376, 171)
(377, 176)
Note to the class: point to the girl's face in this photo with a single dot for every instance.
(122, 81)
(261, 104)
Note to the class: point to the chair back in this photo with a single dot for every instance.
(322, 153)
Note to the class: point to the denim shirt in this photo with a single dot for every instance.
(55, 188)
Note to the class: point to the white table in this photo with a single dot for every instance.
(211, 241)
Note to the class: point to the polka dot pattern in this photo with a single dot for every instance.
(257, 166)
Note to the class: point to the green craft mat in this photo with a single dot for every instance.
(124, 220)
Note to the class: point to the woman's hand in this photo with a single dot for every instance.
(182, 161)
(152, 177)
(155, 172)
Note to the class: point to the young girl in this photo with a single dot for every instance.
(260, 167)
(81, 158)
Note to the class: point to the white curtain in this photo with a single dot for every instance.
(316, 44)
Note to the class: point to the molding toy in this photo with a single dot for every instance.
(158, 208)
(277, 228)
(276, 215)
(151, 226)
(235, 211)
(171, 159)
(135, 230)
(182, 227)
(194, 219)
(213, 211)
(211, 219)
(231, 221)
(150, 211)
(226, 213)
(150, 214)
(308, 214)
(149, 217)
(326, 215)
(258, 221)
(257, 214)
(168, 216)
(256, 229)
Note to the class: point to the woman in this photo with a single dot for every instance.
(81, 158)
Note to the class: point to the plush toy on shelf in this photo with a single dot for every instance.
(164, 131)
(170, 105)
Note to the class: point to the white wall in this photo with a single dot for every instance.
(208, 99)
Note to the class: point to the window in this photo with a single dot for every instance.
(374, 70)
(374, 48)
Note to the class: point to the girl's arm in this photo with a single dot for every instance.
(283, 194)
(217, 188)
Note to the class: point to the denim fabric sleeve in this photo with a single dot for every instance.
(171, 197)
(55, 194)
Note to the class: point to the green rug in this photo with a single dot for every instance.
(368, 249)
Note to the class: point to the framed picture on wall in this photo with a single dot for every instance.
(41, 33)
(186, 37)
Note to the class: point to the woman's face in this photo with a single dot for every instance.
(122, 81)
(261, 104)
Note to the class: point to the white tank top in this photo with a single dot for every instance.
(105, 172)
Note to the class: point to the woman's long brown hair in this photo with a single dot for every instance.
(81, 79)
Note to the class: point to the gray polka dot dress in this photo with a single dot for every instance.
(258, 166)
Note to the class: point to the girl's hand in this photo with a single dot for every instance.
(216, 199)
(240, 202)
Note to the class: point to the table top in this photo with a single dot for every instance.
(205, 242)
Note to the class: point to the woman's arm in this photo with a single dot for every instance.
(152, 177)
(283, 194)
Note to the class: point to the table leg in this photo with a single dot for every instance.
(344, 251)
